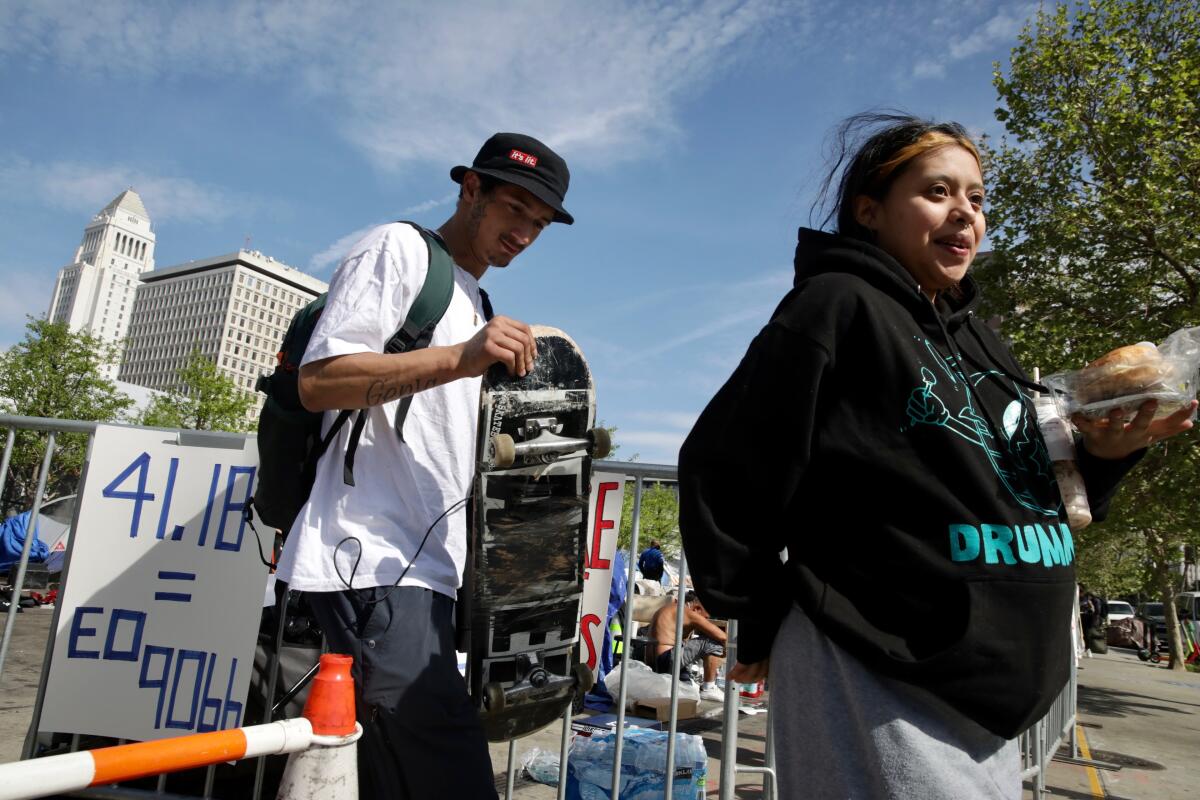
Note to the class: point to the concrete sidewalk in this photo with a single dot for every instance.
(1141, 717)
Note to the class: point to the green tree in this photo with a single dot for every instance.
(659, 519)
(1094, 209)
(206, 401)
(57, 374)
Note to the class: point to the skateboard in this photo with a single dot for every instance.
(524, 577)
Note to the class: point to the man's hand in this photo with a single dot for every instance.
(749, 673)
(1113, 438)
(503, 339)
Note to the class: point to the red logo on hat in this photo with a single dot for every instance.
(523, 158)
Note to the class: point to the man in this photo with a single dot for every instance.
(650, 563)
(707, 643)
(1088, 608)
(381, 560)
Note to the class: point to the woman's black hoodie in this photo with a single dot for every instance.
(886, 442)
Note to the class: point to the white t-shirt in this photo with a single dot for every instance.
(401, 487)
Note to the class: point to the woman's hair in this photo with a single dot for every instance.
(870, 152)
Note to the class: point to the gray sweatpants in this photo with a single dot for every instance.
(846, 733)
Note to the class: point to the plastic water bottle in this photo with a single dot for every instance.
(751, 690)
(1060, 444)
(643, 761)
(541, 766)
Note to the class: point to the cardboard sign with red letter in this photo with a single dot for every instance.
(604, 522)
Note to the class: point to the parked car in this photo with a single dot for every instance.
(1119, 610)
(1188, 606)
(1154, 614)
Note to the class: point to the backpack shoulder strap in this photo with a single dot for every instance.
(488, 313)
(431, 302)
(427, 310)
(299, 331)
(415, 332)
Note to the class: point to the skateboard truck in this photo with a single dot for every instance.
(544, 443)
(536, 683)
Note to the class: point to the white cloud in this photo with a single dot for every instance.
(25, 293)
(657, 446)
(428, 81)
(681, 420)
(757, 313)
(429, 205)
(770, 284)
(88, 187)
(929, 69)
(1000, 29)
(334, 252)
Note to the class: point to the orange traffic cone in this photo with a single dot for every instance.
(329, 769)
(330, 705)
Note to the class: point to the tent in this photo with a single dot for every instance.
(51, 535)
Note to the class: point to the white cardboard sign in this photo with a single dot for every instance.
(604, 522)
(160, 613)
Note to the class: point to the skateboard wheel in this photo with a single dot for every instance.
(504, 450)
(584, 677)
(601, 442)
(493, 696)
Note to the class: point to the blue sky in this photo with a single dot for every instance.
(695, 134)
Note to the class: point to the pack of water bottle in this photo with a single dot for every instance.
(643, 765)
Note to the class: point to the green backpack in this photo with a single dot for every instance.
(289, 436)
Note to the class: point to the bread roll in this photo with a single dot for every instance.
(1125, 371)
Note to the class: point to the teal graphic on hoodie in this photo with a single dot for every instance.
(948, 399)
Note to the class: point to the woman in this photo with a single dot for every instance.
(882, 434)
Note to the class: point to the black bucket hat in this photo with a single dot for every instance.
(523, 161)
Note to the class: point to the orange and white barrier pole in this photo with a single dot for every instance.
(329, 722)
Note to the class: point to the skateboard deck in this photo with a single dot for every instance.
(524, 578)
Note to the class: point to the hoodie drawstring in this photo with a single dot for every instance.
(983, 407)
(1028, 384)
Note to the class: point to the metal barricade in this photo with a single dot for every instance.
(641, 473)
(1041, 742)
(1037, 745)
(53, 428)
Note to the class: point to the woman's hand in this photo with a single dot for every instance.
(1113, 438)
(749, 673)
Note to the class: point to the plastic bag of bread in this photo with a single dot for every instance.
(1129, 376)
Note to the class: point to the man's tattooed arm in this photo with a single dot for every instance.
(385, 391)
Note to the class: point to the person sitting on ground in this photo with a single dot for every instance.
(701, 640)
(650, 563)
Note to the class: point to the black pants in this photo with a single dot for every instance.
(421, 734)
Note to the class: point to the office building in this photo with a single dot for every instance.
(233, 309)
(95, 292)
